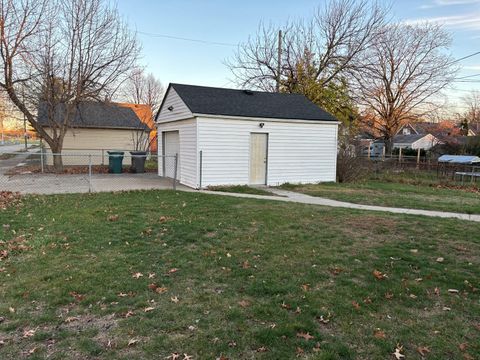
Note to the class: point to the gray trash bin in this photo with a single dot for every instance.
(138, 161)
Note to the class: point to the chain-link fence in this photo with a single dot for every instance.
(72, 172)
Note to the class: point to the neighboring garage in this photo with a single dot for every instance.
(100, 126)
(237, 137)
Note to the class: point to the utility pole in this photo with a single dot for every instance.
(279, 60)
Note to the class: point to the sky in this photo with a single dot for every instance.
(161, 23)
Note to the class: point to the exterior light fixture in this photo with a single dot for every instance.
(170, 108)
(261, 125)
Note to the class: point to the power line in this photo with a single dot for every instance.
(187, 39)
(466, 77)
(465, 57)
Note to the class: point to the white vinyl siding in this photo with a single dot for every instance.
(298, 152)
(180, 110)
(188, 150)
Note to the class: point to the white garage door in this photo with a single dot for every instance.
(171, 147)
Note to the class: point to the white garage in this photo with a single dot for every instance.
(238, 137)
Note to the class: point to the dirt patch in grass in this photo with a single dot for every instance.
(241, 189)
(30, 340)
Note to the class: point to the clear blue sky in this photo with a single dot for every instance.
(229, 21)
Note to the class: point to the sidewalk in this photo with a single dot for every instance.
(290, 196)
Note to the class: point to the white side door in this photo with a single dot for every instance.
(258, 158)
(171, 147)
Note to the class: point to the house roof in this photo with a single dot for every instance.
(246, 103)
(443, 128)
(408, 139)
(99, 115)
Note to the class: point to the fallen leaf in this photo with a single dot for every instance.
(173, 356)
(285, 306)
(436, 291)
(398, 355)
(172, 271)
(78, 297)
(336, 270)
(28, 333)
(453, 291)
(152, 286)
(355, 304)
(262, 349)
(440, 259)
(187, 357)
(174, 299)
(161, 290)
(133, 342)
(446, 308)
(128, 314)
(388, 295)
(379, 334)
(151, 275)
(244, 303)
(148, 309)
(71, 319)
(467, 356)
(463, 347)
(32, 351)
(112, 217)
(324, 319)
(379, 275)
(11, 309)
(245, 264)
(137, 275)
(305, 336)
(423, 350)
(306, 287)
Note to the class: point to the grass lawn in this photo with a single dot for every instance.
(242, 189)
(400, 190)
(148, 274)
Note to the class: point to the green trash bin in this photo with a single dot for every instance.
(115, 159)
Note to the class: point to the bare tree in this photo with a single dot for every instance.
(321, 49)
(55, 54)
(141, 139)
(402, 75)
(472, 112)
(141, 88)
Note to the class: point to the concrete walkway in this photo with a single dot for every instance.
(290, 196)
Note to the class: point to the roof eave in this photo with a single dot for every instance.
(251, 118)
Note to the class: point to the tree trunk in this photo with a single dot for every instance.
(56, 148)
(388, 143)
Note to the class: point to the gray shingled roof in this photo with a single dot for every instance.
(231, 102)
(407, 139)
(95, 115)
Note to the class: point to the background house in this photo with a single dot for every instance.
(100, 126)
(226, 136)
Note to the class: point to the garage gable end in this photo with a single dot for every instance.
(173, 108)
